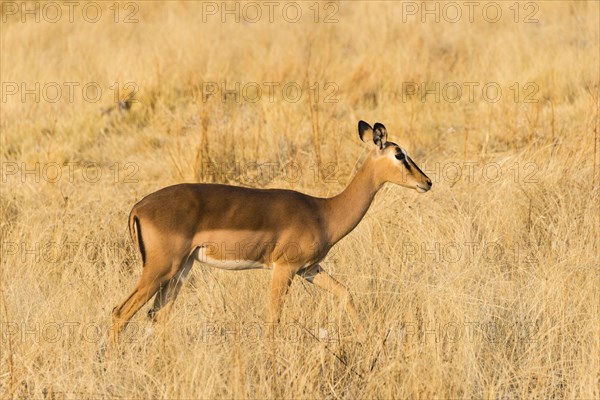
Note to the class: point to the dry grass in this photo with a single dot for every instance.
(480, 288)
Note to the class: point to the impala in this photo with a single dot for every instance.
(211, 223)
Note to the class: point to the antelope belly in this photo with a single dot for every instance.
(232, 265)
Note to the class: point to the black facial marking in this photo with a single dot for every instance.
(400, 156)
(418, 169)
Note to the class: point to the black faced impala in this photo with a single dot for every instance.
(180, 224)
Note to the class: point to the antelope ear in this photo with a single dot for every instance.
(364, 131)
(379, 135)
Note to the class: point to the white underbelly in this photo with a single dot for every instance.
(232, 265)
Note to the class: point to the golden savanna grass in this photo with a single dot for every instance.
(485, 287)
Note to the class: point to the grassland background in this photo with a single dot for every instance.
(425, 310)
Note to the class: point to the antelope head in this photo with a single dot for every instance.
(392, 163)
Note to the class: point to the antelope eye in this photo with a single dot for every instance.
(400, 156)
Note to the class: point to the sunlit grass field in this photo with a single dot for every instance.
(485, 287)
